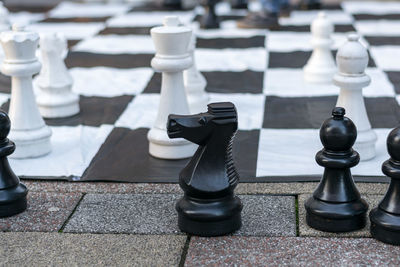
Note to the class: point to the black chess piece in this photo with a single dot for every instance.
(172, 4)
(12, 192)
(209, 206)
(239, 4)
(210, 19)
(336, 204)
(385, 219)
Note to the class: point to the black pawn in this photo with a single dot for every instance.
(385, 219)
(210, 19)
(209, 206)
(336, 204)
(12, 192)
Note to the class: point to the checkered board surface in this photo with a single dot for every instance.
(279, 114)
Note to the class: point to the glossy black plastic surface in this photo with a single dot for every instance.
(385, 219)
(209, 206)
(12, 192)
(210, 19)
(336, 204)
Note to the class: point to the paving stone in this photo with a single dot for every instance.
(46, 212)
(268, 216)
(302, 188)
(152, 188)
(305, 230)
(290, 251)
(56, 249)
(155, 214)
(125, 213)
(101, 187)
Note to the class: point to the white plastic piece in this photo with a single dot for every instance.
(321, 68)
(4, 18)
(55, 98)
(352, 59)
(195, 84)
(171, 43)
(28, 130)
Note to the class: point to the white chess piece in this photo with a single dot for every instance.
(4, 18)
(55, 99)
(195, 84)
(352, 60)
(320, 68)
(171, 43)
(28, 130)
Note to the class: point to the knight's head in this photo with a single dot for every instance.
(199, 127)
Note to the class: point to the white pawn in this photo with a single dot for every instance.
(171, 43)
(195, 83)
(320, 68)
(55, 99)
(28, 130)
(352, 60)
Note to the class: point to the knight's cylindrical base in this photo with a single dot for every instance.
(336, 217)
(385, 226)
(212, 218)
(13, 200)
(31, 143)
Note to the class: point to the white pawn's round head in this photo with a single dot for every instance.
(352, 57)
(322, 27)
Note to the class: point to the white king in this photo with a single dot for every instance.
(28, 130)
(171, 43)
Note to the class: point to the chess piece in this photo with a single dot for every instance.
(195, 83)
(173, 4)
(321, 67)
(4, 18)
(28, 130)
(385, 219)
(171, 42)
(55, 99)
(12, 192)
(239, 4)
(352, 60)
(336, 205)
(209, 206)
(210, 19)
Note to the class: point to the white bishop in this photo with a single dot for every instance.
(352, 60)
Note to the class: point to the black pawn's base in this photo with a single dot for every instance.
(212, 218)
(336, 217)
(385, 226)
(13, 200)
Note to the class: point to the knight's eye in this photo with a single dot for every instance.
(202, 121)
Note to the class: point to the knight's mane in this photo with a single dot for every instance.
(222, 111)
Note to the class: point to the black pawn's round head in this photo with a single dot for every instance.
(393, 144)
(338, 133)
(5, 125)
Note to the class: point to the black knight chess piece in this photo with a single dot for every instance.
(209, 206)
(12, 192)
(336, 204)
(385, 219)
(210, 19)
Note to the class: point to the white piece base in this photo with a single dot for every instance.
(161, 146)
(312, 75)
(198, 103)
(365, 144)
(31, 144)
(58, 106)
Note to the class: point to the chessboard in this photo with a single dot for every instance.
(259, 71)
